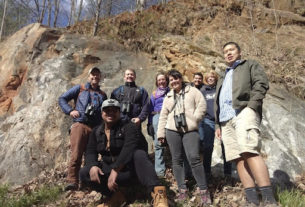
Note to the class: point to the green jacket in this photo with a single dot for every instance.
(249, 87)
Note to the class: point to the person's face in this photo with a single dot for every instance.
(176, 84)
(231, 54)
(161, 81)
(111, 114)
(211, 80)
(94, 77)
(129, 76)
(197, 80)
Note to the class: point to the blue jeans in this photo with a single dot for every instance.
(207, 138)
(159, 151)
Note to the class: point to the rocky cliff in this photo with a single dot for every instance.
(38, 64)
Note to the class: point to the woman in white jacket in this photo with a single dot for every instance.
(183, 108)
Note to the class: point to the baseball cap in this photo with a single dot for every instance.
(111, 102)
(94, 68)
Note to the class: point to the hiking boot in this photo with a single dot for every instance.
(159, 197)
(182, 196)
(205, 198)
(71, 186)
(116, 200)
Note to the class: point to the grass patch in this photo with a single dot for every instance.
(291, 198)
(43, 195)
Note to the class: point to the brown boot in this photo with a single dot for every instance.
(159, 197)
(116, 200)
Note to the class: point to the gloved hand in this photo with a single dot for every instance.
(150, 130)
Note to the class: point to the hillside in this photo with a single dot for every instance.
(38, 64)
(181, 33)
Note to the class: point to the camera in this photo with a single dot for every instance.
(126, 107)
(90, 109)
(180, 120)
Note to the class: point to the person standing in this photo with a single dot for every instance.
(238, 108)
(183, 108)
(156, 102)
(88, 100)
(208, 123)
(134, 100)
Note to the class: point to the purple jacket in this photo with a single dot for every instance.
(156, 104)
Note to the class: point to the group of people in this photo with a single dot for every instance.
(185, 116)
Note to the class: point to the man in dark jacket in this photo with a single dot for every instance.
(238, 106)
(88, 100)
(123, 150)
(134, 100)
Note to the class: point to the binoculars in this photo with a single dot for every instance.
(90, 110)
(180, 120)
(126, 107)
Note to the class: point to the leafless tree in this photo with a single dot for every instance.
(108, 8)
(72, 12)
(42, 11)
(49, 12)
(3, 19)
(56, 11)
(97, 16)
(80, 8)
(140, 5)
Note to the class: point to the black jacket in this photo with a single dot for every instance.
(125, 138)
(138, 99)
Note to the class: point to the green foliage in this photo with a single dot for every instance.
(291, 198)
(43, 195)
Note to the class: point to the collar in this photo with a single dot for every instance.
(235, 64)
(88, 86)
(130, 84)
(186, 89)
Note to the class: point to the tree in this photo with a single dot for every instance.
(108, 8)
(72, 12)
(97, 16)
(80, 8)
(140, 5)
(42, 12)
(49, 12)
(3, 19)
(56, 11)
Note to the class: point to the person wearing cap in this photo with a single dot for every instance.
(135, 105)
(88, 100)
(122, 147)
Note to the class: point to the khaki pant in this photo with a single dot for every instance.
(78, 139)
(241, 134)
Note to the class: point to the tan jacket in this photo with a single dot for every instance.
(195, 108)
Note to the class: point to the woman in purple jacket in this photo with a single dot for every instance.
(156, 102)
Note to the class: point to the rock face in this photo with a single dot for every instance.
(38, 64)
(33, 130)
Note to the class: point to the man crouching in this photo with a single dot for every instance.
(122, 147)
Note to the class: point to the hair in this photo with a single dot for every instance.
(198, 73)
(232, 43)
(209, 74)
(175, 73)
(132, 70)
(161, 73)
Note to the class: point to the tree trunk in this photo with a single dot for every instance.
(42, 12)
(79, 10)
(108, 8)
(3, 19)
(56, 5)
(97, 16)
(71, 12)
(140, 5)
(49, 12)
